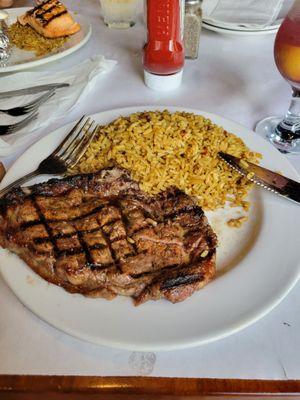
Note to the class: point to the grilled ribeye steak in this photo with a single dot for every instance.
(100, 235)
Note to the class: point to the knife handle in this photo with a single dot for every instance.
(292, 190)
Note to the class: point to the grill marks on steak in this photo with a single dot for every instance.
(99, 235)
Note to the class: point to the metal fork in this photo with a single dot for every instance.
(30, 107)
(12, 128)
(65, 156)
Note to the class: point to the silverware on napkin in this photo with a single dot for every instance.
(12, 128)
(29, 107)
(269, 180)
(32, 90)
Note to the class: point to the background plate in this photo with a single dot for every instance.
(227, 31)
(22, 59)
(257, 266)
(210, 22)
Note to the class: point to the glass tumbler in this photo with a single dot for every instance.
(119, 14)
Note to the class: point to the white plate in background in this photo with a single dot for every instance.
(220, 27)
(23, 59)
(227, 31)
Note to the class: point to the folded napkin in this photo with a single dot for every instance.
(246, 13)
(81, 79)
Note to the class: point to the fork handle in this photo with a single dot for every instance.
(19, 182)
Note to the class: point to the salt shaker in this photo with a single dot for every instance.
(192, 27)
(4, 40)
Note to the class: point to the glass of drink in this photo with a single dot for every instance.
(119, 13)
(285, 133)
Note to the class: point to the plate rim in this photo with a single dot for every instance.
(180, 344)
(269, 28)
(50, 58)
(227, 31)
(237, 27)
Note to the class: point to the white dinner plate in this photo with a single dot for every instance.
(219, 24)
(236, 29)
(257, 266)
(238, 32)
(22, 59)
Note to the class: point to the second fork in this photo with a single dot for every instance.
(29, 107)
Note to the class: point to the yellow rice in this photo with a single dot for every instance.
(26, 38)
(163, 149)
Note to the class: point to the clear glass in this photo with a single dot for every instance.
(285, 133)
(119, 14)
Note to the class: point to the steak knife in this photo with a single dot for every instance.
(269, 180)
(32, 90)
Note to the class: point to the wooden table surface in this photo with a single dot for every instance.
(91, 387)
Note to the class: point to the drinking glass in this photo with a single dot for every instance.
(285, 133)
(119, 13)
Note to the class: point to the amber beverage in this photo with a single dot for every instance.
(284, 132)
(287, 48)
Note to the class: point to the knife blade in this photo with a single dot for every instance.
(269, 180)
(32, 90)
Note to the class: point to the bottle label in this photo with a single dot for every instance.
(165, 28)
(163, 19)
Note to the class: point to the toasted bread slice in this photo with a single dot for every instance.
(50, 19)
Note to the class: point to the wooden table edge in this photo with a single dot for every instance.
(146, 385)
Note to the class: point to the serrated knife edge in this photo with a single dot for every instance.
(243, 171)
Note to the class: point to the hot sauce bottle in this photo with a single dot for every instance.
(163, 56)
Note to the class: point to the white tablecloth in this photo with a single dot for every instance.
(235, 77)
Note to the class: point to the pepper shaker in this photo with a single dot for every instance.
(4, 40)
(192, 27)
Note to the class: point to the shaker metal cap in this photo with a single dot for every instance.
(193, 2)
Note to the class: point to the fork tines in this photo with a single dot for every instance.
(29, 107)
(12, 128)
(76, 142)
